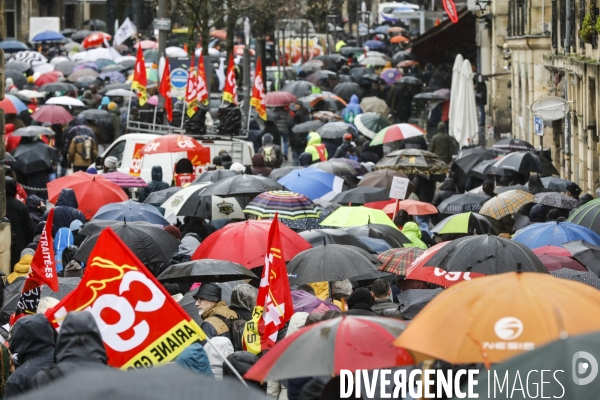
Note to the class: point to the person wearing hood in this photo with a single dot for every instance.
(352, 110)
(347, 149)
(413, 233)
(20, 222)
(442, 144)
(36, 208)
(447, 189)
(195, 359)
(21, 269)
(213, 311)
(79, 346)
(104, 103)
(88, 100)
(155, 184)
(114, 111)
(368, 154)
(66, 211)
(284, 121)
(360, 302)
(488, 188)
(216, 362)
(83, 148)
(242, 361)
(537, 213)
(305, 159)
(259, 167)
(10, 142)
(184, 253)
(272, 155)
(32, 346)
(315, 147)
(243, 301)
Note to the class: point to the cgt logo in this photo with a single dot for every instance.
(508, 328)
(581, 367)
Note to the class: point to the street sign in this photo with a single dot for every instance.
(363, 29)
(538, 126)
(162, 24)
(179, 76)
(399, 188)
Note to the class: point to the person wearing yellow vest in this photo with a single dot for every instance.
(315, 147)
(338, 46)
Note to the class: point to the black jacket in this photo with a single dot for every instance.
(66, 211)
(33, 345)
(156, 184)
(35, 213)
(79, 346)
(447, 189)
(20, 222)
(344, 149)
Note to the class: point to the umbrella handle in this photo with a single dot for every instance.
(235, 372)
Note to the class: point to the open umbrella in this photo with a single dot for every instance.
(58, 87)
(556, 200)
(554, 233)
(413, 161)
(554, 262)
(358, 168)
(389, 234)
(374, 104)
(390, 75)
(362, 195)
(246, 243)
(335, 167)
(18, 66)
(587, 277)
(48, 36)
(12, 105)
(125, 180)
(18, 78)
(66, 67)
(52, 114)
(468, 222)
(506, 203)
(586, 253)
(370, 123)
(357, 216)
(335, 130)
(34, 157)
(294, 210)
(10, 45)
(346, 90)
(214, 176)
(587, 215)
(85, 72)
(383, 178)
(331, 351)
(520, 162)
(80, 35)
(173, 204)
(65, 101)
(320, 237)
(412, 207)
(279, 99)
(468, 158)
(28, 56)
(397, 261)
(242, 185)
(299, 88)
(305, 128)
(146, 44)
(462, 203)
(313, 183)
(157, 198)
(33, 131)
(95, 39)
(412, 301)
(556, 184)
(506, 146)
(205, 271)
(131, 211)
(553, 307)
(410, 80)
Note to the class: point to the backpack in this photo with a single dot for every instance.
(87, 143)
(236, 328)
(269, 155)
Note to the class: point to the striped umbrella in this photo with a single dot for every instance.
(295, 210)
(397, 261)
(125, 180)
(506, 203)
(370, 123)
(12, 105)
(395, 133)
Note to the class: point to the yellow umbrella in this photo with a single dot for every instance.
(506, 203)
(490, 319)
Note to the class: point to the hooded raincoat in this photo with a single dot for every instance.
(413, 233)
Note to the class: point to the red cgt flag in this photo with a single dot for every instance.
(191, 93)
(139, 77)
(230, 89)
(201, 82)
(165, 90)
(258, 92)
(140, 323)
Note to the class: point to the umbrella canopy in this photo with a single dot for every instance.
(330, 262)
(370, 123)
(92, 191)
(498, 301)
(346, 90)
(556, 184)
(357, 216)
(413, 161)
(120, 93)
(556, 200)
(412, 301)
(374, 104)
(18, 78)
(554, 233)
(587, 277)
(205, 271)
(174, 204)
(34, 157)
(468, 158)
(28, 56)
(390, 75)
(312, 65)
(462, 203)
(12, 105)
(95, 39)
(289, 205)
(146, 44)
(172, 143)
(33, 131)
(506, 146)
(397, 261)
(313, 183)
(467, 222)
(279, 99)
(65, 101)
(58, 87)
(242, 185)
(214, 176)
(335, 130)
(157, 198)
(48, 77)
(80, 35)
(430, 96)
(383, 178)
(66, 67)
(48, 36)
(410, 80)
(331, 350)
(335, 167)
(554, 262)
(246, 243)
(552, 250)
(485, 168)
(587, 214)
(125, 180)
(299, 88)
(82, 73)
(395, 133)
(463, 107)
(320, 237)
(326, 102)
(112, 76)
(18, 66)
(153, 246)
(506, 203)
(362, 195)
(307, 127)
(520, 162)
(389, 234)
(412, 207)
(586, 253)
(52, 114)
(10, 45)
(358, 168)
(373, 61)
(131, 211)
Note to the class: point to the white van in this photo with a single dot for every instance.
(385, 11)
(127, 150)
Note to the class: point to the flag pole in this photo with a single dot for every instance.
(155, 110)
(183, 115)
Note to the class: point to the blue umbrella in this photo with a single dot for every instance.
(554, 234)
(48, 36)
(379, 245)
(11, 45)
(131, 211)
(19, 105)
(313, 183)
(114, 76)
(382, 29)
(374, 44)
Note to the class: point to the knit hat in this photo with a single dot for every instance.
(27, 251)
(30, 79)
(92, 170)
(112, 105)
(342, 287)
(209, 291)
(237, 167)
(110, 162)
(347, 137)
(173, 230)
(73, 270)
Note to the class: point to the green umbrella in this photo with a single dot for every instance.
(357, 216)
(370, 123)
(152, 74)
(464, 223)
(570, 366)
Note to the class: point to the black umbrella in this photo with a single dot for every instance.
(157, 198)
(358, 72)
(384, 178)
(58, 87)
(429, 96)
(506, 146)
(153, 246)
(348, 51)
(279, 173)
(332, 62)
(298, 88)
(129, 64)
(33, 131)
(520, 162)
(97, 115)
(242, 185)
(66, 67)
(410, 80)
(200, 205)
(18, 78)
(113, 86)
(413, 301)
(317, 76)
(336, 168)
(95, 226)
(331, 262)
(12, 294)
(548, 169)
(306, 127)
(556, 184)
(34, 157)
(468, 158)
(80, 35)
(401, 56)
(475, 225)
(214, 176)
(205, 271)
(486, 254)
(336, 130)
(18, 66)
(169, 381)
(362, 195)
(586, 253)
(484, 168)
(587, 215)
(320, 237)
(392, 236)
(589, 278)
(347, 89)
(461, 203)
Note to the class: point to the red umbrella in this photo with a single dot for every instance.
(92, 191)
(95, 39)
(52, 114)
(380, 205)
(246, 243)
(326, 348)
(171, 144)
(147, 44)
(553, 262)
(279, 99)
(412, 207)
(420, 271)
(47, 77)
(553, 250)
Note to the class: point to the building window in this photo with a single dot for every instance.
(563, 21)
(10, 18)
(554, 27)
(582, 12)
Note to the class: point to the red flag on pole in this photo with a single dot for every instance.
(191, 95)
(165, 90)
(201, 82)
(139, 77)
(230, 90)
(258, 92)
(450, 8)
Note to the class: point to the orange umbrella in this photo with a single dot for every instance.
(490, 319)
(399, 39)
(95, 39)
(219, 34)
(325, 97)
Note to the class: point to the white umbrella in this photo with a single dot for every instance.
(92, 55)
(65, 101)
(32, 94)
(121, 93)
(454, 106)
(58, 60)
(465, 125)
(42, 68)
(372, 54)
(175, 52)
(376, 61)
(30, 57)
(174, 203)
(123, 58)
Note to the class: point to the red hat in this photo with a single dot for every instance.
(347, 137)
(173, 230)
